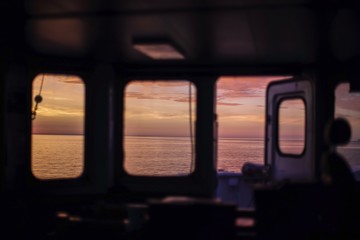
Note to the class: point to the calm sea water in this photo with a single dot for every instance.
(61, 156)
(57, 156)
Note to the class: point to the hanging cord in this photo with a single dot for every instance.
(38, 98)
(191, 130)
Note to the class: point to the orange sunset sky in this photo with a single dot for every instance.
(159, 108)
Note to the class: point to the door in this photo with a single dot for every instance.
(289, 130)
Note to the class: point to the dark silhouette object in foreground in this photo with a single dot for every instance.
(326, 209)
(338, 174)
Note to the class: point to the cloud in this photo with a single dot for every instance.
(159, 83)
(242, 92)
(145, 115)
(238, 87)
(228, 104)
(156, 96)
(59, 111)
(183, 99)
(59, 98)
(234, 117)
(227, 88)
(172, 96)
(64, 78)
(73, 81)
(139, 95)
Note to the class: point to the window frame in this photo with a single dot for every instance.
(278, 148)
(56, 184)
(194, 184)
(83, 143)
(294, 168)
(192, 141)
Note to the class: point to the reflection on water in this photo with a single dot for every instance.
(160, 156)
(58, 156)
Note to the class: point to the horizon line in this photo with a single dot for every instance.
(139, 135)
(165, 136)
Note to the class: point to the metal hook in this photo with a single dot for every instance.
(33, 115)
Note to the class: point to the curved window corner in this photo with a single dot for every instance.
(291, 128)
(159, 127)
(57, 150)
(240, 113)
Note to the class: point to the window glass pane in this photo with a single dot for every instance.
(159, 128)
(292, 126)
(347, 105)
(57, 127)
(240, 109)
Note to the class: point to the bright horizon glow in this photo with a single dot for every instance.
(159, 108)
(61, 111)
(240, 107)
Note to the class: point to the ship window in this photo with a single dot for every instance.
(159, 126)
(291, 126)
(240, 106)
(57, 150)
(347, 105)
